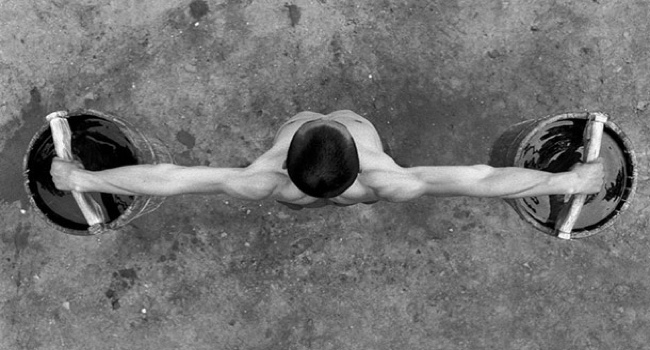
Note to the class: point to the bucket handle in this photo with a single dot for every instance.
(61, 136)
(593, 135)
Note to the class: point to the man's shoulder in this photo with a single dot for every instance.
(375, 160)
(388, 180)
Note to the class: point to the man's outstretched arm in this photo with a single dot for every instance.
(165, 180)
(511, 182)
(397, 184)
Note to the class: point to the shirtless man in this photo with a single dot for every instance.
(334, 159)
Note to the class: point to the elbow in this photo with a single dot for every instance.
(262, 192)
(168, 181)
(483, 171)
(251, 194)
(250, 190)
(403, 193)
(487, 182)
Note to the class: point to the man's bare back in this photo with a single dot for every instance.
(379, 178)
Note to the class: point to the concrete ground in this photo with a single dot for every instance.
(214, 79)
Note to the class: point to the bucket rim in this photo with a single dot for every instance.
(631, 163)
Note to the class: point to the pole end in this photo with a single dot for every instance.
(598, 117)
(56, 115)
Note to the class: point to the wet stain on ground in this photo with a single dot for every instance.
(294, 14)
(186, 139)
(198, 9)
(32, 118)
(300, 246)
(21, 237)
(122, 281)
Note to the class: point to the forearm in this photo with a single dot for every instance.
(157, 180)
(485, 181)
(520, 182)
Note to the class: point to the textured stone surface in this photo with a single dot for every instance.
(441, 80)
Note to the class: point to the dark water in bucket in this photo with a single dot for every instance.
(556, 149)
(99, 144)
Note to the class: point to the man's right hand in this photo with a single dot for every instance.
(590, 176)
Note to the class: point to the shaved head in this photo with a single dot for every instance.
(322, 160)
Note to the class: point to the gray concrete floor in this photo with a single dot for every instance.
(214, 79)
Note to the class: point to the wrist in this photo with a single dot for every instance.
(568, 182)
(80, 180)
